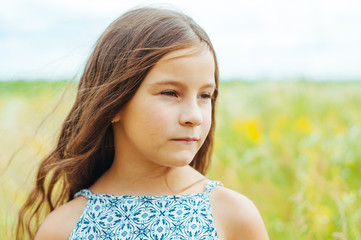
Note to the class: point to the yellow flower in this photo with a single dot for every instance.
(250, 128)
(303, 125)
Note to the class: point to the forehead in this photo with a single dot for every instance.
(191, 65)
(200, 49)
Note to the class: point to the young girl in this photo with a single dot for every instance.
(132, 153)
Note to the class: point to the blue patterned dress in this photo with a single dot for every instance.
(115, 217)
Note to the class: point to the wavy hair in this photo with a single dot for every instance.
(122, 57)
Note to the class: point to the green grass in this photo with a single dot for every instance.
(294, 148)
(30, 89)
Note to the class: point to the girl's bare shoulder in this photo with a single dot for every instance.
(60, 223)
(235, 216)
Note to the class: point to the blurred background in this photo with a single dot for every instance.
(289, 112)
(259, 39)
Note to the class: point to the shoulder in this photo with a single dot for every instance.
(60, 223)
(235, 216)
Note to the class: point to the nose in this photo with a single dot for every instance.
(191, 114)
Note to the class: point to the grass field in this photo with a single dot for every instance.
(294, 148)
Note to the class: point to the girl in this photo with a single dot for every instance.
(132, 153)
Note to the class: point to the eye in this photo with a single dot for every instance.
(169, 93)
(205, 96)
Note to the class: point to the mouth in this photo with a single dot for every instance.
(186, 139)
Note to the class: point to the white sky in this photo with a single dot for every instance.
(254, 39)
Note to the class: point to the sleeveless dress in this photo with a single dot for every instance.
(118, 217)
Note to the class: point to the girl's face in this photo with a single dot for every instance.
(169, 117)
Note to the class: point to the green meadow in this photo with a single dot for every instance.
(293, 148)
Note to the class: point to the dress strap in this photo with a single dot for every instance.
(84, 192)
(211, 185)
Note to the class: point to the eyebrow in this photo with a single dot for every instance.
(180, 84)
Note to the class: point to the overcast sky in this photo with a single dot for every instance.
(254, 39)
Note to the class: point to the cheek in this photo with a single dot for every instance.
(156, 117)
(207, 121)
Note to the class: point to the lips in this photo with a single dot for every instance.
(186, 139)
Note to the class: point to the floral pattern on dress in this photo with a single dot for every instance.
(117, 217)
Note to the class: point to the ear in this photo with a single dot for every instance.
(117, 117)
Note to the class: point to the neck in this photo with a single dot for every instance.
(124, 179)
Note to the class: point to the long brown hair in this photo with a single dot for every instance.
(121, 59)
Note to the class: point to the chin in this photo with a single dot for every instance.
(180, 161)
